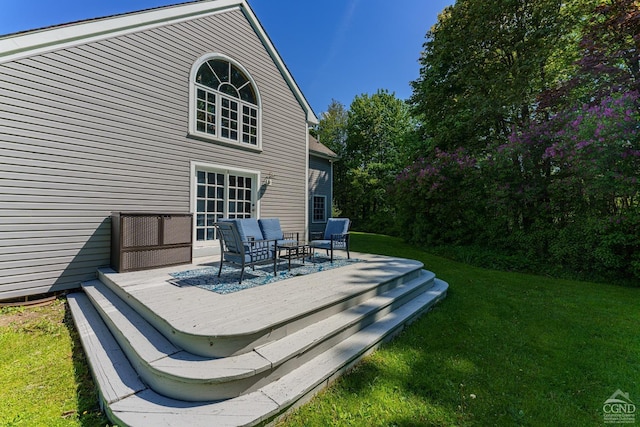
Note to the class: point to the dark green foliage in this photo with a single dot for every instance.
(525, 139)
(332, 130)
(434, 199)
(484, 64)
(370, 139)
(563, 190)
(609, 56)
(543, 96)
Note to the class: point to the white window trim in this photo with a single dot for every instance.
(313, 209)
(193, 196)
(192, 106)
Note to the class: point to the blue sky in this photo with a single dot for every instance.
(335, 49)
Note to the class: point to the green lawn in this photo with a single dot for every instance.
(501, 349)
(44, 377)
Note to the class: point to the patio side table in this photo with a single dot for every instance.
(293, 250)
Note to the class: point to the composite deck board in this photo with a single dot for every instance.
(110, 366)
(149, 408)
(156, 351)
(211, 314)
(304, 380)
(299, 341)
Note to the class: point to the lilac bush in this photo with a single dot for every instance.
(564, 188)
(434, 198)
(576, 180)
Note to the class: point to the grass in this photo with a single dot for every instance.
(44, 378)
(501, 349)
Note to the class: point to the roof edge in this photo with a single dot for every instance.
(262, 33)
(318, 149)
(323, 155)
(24, 44)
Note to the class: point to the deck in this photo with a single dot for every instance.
(197, 312)
(193, 348)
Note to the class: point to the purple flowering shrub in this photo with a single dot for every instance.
(436, 196)
(595, 161)
(564, 188)
(599, 145)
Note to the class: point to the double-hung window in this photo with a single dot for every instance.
(225, 103)
(319, 209)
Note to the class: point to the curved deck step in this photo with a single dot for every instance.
(223, 333)
(138, 406)
(176, 373)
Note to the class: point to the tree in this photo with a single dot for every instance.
(485, 62)
(611, 46)
(437, 199)
(609, 58)
(530, 121)
(332, 129)
(377, 130)
(332, 132)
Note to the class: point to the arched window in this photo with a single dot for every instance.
(225, 102)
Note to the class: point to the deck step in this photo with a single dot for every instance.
(111, 369)
(179, 374)
(349, 286)
(134, 405)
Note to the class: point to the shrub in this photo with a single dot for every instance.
(563, 189)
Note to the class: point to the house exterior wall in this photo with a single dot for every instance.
(320, 184)
(103, 127)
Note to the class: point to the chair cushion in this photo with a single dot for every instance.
(271, 229)
(230, 237)
(255, 257)
(336, 226)
(247, 228)
(286, 241)
(321, 244)
(235, 258)
(326, 244)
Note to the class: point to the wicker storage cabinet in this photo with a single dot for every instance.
(141, 241)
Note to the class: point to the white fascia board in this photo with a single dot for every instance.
(49, 39)
(311, 116)
(323, 156)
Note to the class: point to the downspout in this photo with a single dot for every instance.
(331, 191)
(306, 185)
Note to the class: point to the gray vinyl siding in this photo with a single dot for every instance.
(320, 183)
(102, 127)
